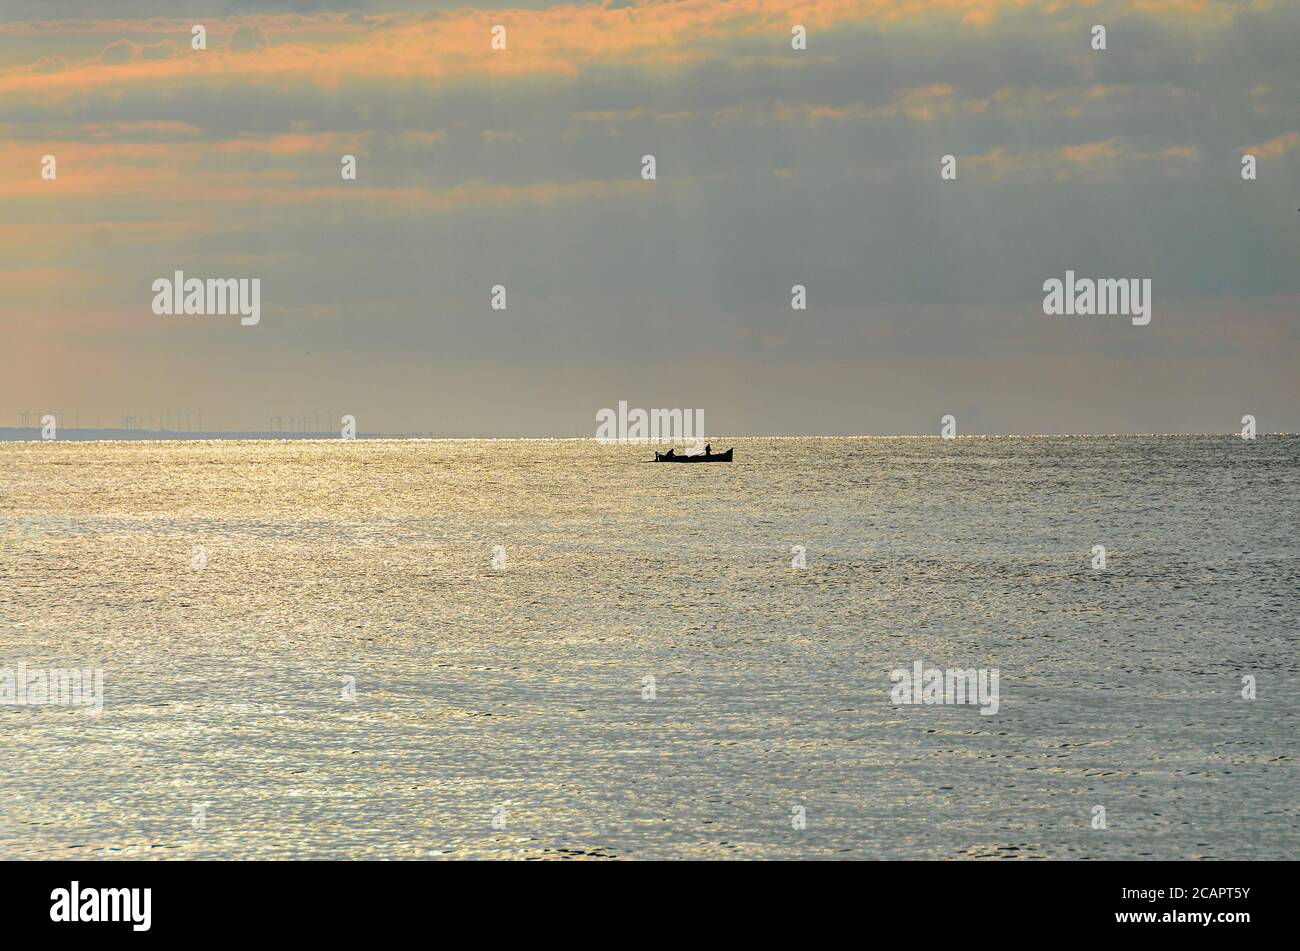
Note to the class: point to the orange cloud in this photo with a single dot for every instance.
(1085, 160)
(1276, 147)
(922, 103)
(559, 41)
(1092, 153)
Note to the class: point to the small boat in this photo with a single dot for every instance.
(698, 457)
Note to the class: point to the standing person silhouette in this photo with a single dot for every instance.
(708, 450)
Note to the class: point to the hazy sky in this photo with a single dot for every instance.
(522, 167)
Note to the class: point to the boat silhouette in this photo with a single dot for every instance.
(671, 456)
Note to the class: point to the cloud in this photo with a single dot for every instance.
(163, 50)
(1277, 146)
(1102, 161)
(49, 64)
(118, 52)
(247, 37)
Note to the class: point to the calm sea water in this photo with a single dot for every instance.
(516, 694)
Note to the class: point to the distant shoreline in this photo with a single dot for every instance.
(33, 434)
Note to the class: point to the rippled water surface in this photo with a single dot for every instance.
(518, 693)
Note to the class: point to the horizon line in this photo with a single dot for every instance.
(88, 434)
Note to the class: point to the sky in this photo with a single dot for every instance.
(522, 167)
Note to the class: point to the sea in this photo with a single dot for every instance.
(558, 650)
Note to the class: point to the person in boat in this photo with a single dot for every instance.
(708, 450)
(669, 454)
